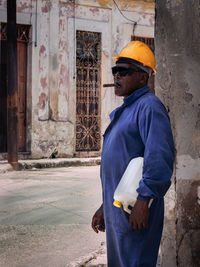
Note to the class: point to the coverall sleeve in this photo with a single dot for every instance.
(156, 134)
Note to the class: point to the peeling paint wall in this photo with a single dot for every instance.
(51, 62)
(178, 64)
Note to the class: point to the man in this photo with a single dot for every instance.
(140, 127)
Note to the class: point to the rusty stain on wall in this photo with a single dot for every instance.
(68, 9)
(46, 7)
(94, 10)
(42, 100)
(43, 82)
(42, 54)
(42, 49)
(22, 6)
(146, 19)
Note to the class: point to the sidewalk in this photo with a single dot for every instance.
(50, 163)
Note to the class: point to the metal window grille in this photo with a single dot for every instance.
(88, 81)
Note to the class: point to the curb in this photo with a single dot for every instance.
(51, 163)
(94, 259)
(55, 163)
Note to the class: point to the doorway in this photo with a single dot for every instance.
(3, 97)
(22, 43)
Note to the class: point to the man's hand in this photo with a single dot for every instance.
(139, 215)
(98, 221)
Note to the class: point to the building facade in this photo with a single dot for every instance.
(65, 51)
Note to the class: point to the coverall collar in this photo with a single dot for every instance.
(135, 95)
(128, 101)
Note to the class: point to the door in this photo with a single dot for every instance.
(88, 82)
(22, 67)
(3, 96)
(22, 43)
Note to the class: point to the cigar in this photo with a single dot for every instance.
(108, 85)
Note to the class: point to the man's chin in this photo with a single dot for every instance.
(118, 92)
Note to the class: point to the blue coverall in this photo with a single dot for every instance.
(139, 127)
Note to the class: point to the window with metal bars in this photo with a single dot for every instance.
(88, 80)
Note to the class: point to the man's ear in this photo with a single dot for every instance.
(144, 78)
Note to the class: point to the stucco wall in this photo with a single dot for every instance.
(178, 64)
(51, 83)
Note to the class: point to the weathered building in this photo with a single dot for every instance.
(178, 63)
(65, 51)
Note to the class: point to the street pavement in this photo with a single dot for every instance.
(45, 217)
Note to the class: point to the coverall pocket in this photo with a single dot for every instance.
(122, 221)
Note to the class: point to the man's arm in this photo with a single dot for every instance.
(156, 134)
(98, 220)
(155, 131)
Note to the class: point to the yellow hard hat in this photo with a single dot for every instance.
(140, 52)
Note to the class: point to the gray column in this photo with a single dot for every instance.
(177, 38)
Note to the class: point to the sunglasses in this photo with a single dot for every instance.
(123, 71)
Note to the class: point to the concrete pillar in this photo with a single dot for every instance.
(177, 84)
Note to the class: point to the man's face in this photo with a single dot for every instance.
(126, 85)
